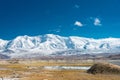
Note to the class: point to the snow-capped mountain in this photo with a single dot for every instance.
(51, 44)
(3, 44)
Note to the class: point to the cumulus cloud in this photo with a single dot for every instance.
(97, 22)
(78, 23)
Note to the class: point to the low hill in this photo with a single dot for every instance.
(104, 68)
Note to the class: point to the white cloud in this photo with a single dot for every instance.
(55, 30)
(77, 6)
(78, 23)
(97, 22)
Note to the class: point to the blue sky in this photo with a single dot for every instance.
(86, 18)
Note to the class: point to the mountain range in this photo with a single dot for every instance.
(55, 45)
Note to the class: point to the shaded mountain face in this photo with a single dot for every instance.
(4, 56)
(51, 44)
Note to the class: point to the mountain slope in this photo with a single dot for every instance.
(51, 44)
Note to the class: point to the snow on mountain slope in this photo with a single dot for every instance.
(3, 44)
(53, 44)
(24, 42)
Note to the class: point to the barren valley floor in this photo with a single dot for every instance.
(34, 70)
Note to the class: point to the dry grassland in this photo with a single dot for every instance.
(33, 70)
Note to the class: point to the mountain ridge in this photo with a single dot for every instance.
(49, 44)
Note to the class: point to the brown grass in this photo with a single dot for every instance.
(69, 75)
(31, 71)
